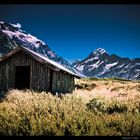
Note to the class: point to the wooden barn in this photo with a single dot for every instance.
(26, 69)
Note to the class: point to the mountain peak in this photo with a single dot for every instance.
(102, 65)
(99, 51)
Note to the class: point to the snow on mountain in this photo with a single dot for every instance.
(99, 51)
(24, 37)
(80, 68)
(16, 25)
(96, 65)
(1, 22)
(91, 59)
(108, 66)
(11, 36)
(101, 64)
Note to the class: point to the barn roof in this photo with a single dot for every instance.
(55, 66)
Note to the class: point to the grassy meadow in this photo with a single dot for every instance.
(97, 107)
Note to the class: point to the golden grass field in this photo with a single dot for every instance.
(107, 88)
(97, 107)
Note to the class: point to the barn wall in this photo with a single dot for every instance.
(40, 75)
(62, 82)
(3, 78)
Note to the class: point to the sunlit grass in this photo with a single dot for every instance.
(81, 113)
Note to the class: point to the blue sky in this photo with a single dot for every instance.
(74, 31)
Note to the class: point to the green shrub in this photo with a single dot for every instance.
(98, 105)
(117, 108)
(93, 78)
(86, 86)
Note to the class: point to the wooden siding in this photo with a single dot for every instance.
(62, 82)
(40, 79)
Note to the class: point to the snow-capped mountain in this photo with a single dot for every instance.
(11, 36)
(101, 64)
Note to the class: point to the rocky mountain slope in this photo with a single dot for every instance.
(101, 64)
(11, 36)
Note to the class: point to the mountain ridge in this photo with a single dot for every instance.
(11, 36)
(101, 64)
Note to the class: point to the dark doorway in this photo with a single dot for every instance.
(51, 80)
(22, 77)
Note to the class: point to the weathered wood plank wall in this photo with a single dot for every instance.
(40, 75)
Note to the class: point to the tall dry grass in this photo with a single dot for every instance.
(108, 88)
(31, 113)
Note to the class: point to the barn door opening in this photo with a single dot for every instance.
(22, 77)
(51, 80)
